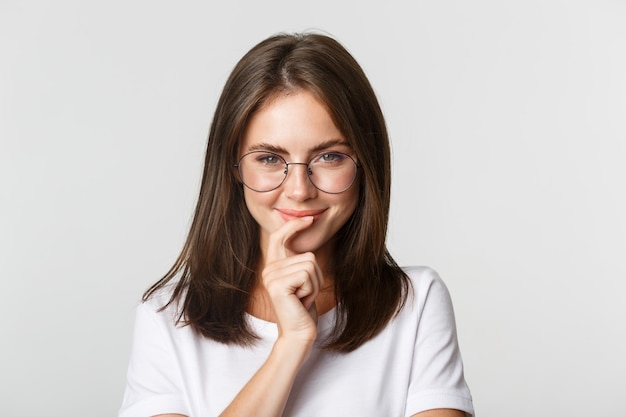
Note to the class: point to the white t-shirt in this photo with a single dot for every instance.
(413, 365)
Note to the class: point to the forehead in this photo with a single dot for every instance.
(295, 122)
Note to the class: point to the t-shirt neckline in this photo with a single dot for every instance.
(268, 329)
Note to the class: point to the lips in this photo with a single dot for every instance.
(288, 214)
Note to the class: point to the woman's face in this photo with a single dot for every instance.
(298, 127)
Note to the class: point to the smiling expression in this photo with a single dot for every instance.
(298, 127)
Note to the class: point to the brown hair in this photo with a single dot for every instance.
(217, 265)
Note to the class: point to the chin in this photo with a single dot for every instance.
(302, 244)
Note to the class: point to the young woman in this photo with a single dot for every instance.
(284, 300)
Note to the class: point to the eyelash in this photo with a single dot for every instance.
(265, 157)
(271, 158)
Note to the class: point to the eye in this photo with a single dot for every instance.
(330, 158)
(269, 159)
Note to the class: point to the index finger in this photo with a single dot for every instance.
(277, 245)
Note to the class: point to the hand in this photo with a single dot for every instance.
(292, 281)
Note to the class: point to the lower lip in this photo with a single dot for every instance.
(286, 217)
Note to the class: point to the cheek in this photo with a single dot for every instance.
(259, 204)
(347, 206)
(352, 198)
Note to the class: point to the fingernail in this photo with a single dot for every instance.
(307, 218)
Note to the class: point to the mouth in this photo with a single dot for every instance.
(288, 214)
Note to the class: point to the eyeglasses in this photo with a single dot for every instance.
(330, 172)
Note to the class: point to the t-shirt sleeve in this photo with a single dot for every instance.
(153, 377)
(437, 378)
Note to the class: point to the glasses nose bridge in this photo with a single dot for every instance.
(306, 164)
(307, 170)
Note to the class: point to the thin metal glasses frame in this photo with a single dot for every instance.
(308, 170)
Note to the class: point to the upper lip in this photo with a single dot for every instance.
(301, 213)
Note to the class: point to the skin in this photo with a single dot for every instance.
(297, 127)
(295, 245)
(297, 223)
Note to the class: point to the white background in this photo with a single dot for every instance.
(508, 122)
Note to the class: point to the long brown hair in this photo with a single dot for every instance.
(217, 265)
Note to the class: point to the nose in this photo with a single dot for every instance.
(297, 185)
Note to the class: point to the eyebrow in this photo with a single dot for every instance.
(264, 146)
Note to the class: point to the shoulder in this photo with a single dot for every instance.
(437, 379)
(161, 304)
(421, 274)
(423, 278)
(427, 288)
(159, 323)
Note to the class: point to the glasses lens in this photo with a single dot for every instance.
(330, 172)
(262, 171)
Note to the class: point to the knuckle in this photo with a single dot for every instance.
(303, 275)
(272, 286)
